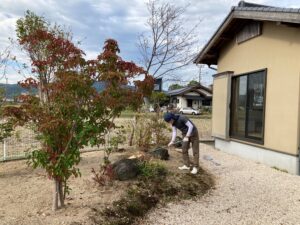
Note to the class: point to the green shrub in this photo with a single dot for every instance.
(151, 170)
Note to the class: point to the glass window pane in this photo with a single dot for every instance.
(239, 106)
(255, 105)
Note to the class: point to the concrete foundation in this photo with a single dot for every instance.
(271, 158)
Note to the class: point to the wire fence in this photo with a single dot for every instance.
(24, 141)
(21, 143)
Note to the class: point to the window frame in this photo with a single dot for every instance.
(244, 137)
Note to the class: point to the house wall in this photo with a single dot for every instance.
(220, 106)
(182, 102)
(278, 50)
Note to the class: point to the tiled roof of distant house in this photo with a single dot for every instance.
(199, 88)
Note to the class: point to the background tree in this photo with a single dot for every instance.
(178, 86)
(170, 45)
(193, 83)
(69, 113)
(6, 128)
(5, 56)
(157, 99)
(2, 95)
(175, 86)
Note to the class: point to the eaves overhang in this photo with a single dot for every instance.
(235, 20)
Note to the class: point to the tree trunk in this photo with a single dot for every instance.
(61, 194)
(130, 139)
(43, 93)
(40, 90)
(55, 195)
(133, 127)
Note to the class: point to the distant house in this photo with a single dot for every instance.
(257, 51)
(194, 96)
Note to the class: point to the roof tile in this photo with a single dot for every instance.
(267, 9)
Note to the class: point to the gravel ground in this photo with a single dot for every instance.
(246, 192)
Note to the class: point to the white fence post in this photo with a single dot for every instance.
(4, 150)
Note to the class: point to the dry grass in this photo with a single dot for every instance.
(23, 140)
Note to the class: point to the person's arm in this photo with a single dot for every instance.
(190, 128)
(174, 133)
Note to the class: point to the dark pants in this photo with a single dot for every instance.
(194, 139)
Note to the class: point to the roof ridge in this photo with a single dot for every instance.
(250, 4)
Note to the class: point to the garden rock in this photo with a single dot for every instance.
(126, 169)
(160, 153)
(178, 142)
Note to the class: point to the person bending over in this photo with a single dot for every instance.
(190, 135)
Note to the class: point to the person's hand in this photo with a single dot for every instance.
(171, 144)
(185, 139)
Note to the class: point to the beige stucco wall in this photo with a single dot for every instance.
(183, 103)
(220, 106)
(278, 50)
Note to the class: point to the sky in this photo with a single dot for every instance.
(94, 21)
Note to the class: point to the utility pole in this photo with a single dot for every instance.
(200, 72)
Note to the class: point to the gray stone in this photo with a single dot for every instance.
(160, 153)
(126, 169)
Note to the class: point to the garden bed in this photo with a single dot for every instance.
(25, 194)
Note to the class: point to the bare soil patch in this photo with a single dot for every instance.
(26, 194)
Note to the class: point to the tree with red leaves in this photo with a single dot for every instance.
(49, 48)
(69, 113)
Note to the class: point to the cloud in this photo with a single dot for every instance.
(94, 21)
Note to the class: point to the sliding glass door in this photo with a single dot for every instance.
(248, 106)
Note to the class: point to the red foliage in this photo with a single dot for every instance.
(28, 83)
(116, 74)
(105, 176)
(145, 86)
(58, 52)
